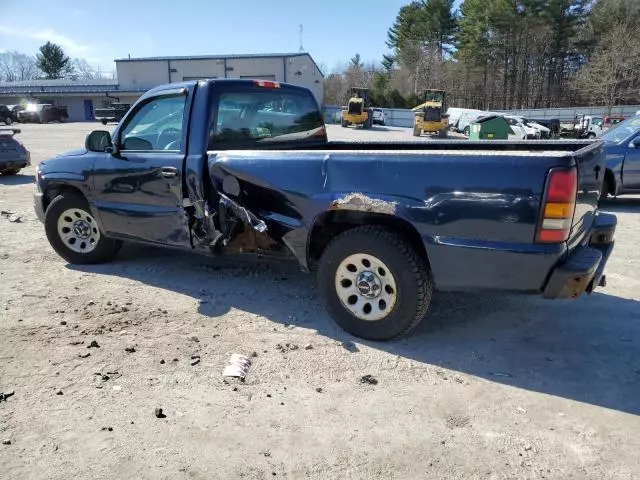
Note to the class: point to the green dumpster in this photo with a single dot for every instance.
(492, 127)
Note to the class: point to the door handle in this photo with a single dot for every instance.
(169, 172)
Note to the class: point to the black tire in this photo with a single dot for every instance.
(345, 124)
(467, 131)
(409, 271)
(416, 131)
(591, 135)
(10, 171)
(8, 121)
(105, 249)
(443, 133)
(104, 121)
(606, 190)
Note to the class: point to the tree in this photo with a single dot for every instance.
(53, 61)
(83, 70)
(16, 67)
(611, 76)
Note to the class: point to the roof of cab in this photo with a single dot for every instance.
(232, 81)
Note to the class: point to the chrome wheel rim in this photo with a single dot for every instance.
(366, 287)
(78, 230)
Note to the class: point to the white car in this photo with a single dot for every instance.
(379, 117)
(521, 130)
(544, 131)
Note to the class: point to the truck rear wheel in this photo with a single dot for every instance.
(416, 131)
(104, 121)
(374, 284)
(74, 234)
(443, 133)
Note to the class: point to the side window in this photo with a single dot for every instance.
(157, 125)
(256, 116)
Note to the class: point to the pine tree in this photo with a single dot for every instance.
(53, 62)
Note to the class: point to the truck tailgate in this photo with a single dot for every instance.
(590, 161)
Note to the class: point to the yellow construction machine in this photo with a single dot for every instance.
(358, 110)
(430, 116)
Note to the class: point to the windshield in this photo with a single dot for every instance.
(433, 97)
(623, 130)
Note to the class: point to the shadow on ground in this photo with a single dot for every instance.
(621, 205)
(18, 179)
(586, 350)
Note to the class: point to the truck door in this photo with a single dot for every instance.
(139, 189)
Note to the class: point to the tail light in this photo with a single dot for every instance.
(558, 206)
(267, 84)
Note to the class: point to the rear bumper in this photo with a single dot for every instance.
(11, 164)
(583, 270)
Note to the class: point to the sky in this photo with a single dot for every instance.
(100, 31)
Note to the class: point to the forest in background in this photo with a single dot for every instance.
(504, 54)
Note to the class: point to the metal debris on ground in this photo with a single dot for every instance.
(238, 366)
(15, 218)
(5, 395)
(370, 379)
(158, 413)
(59, 392)
(130, 349)
(6, 442)
(195, 361)
(93, 344)
(308, 346)
(350, 346)
(84, 355)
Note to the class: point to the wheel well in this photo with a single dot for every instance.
(610, 181)
(54, 190)
(332, 223)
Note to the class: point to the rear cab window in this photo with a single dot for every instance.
(247, 115)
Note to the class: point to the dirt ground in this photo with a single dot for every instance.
(489, 386)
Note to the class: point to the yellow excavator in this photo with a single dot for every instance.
(430, 116)
(358, 110)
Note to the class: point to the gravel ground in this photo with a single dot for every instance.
(490, 386)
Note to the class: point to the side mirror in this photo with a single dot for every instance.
(99, 141)
(635, 143)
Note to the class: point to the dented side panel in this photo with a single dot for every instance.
(473, 212)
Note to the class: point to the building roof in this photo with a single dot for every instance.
(63, 82)
(31, 87)
(220, 57)
(211, 57)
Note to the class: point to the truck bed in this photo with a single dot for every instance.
(468, 200)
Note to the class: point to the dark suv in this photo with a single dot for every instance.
(43, 113)
(6, 115)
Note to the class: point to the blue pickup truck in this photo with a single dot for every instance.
(245, 166)
(622, 156)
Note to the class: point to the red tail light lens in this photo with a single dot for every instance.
(558, 206)
(267, 84)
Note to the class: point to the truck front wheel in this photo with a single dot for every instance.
(374, 284)
(74, 233)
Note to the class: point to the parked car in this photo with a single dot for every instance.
(521, 129)
(610, 121)
(6, 115)
(466, 118)
(553, 124)
(43, 113)
(379, 117)
(13, 154)
(509, 216)
(15, 109)
(114, 113)
(545, 133)
(622, 151)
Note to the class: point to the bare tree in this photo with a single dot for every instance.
(83, 70)
(16, 67)
(611, 76)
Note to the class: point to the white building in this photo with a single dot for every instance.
(137, 75)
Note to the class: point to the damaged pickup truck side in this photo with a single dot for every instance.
(245, 166)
